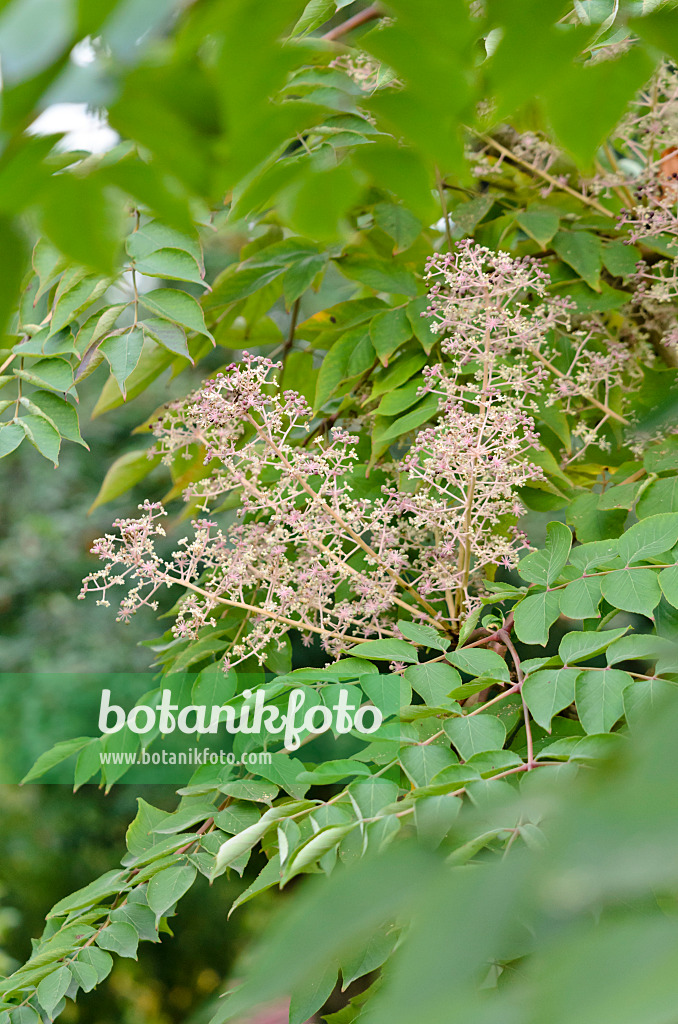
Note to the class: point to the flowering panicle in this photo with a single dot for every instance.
(497, 319)
(305, 550)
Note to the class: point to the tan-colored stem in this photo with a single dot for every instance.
(594, 401)
(243, 606)
(563, 187)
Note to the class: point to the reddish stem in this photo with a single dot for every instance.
(369, 14)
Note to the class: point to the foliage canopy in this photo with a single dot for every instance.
(462, 257)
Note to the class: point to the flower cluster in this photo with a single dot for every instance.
(497, 320)
(304, 550)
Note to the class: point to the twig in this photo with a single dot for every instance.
(544, 174)
(369, 14)
(506, 639)
(322, 427)
(594, 401)
(443, 202)
(8, 361)
(289, 340)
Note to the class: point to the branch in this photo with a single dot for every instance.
(594, 401)
(543, 174)
(506, 639)
(369, 14)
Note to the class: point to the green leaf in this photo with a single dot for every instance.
(283, 771)
(85, 975)
(642, 647)
(619, 258)
(549, 691)
(425, 636)
(32, 35)
(590, 524)
(668, 581)
(466, 216)
(473, 734)
(594, 553)
(586, 101)
(388, 331)
(316, 847)
(387, 650)
(598, 695)
(109, 884)
(582, 251)
(535, 615)
(123, 352)
(660, 496)
(125, 472)
(389, 692)
(269, 876)
(179, 307)
(48, 263)
(621, 496)
(233, 284)
(42, 436)
(250, 789)
(408, 363)
(402, 398)
(315, 13)
(397, 221)
(21, 1015)
(318, 200)
(348, 358)
(539, 222)
(300, 276)
(101, 961)
(576, 646)
(379, 946)
(54, 373)
(479, 662)
(663, 456)
(651, 537)
(171, 263)
(230, 851)
(83, 220)
(546, 566)
(62, 414)
(378, 274)
(307, 999)
(120, 937)
(580, 599)
(53, 988)
(422, 763)
(168, 886)
(58, 753)
(155, 235)
(433, 681)
(644, 696)
(13, 262)
(386, 431)
(72, 302)
(421, 323)
(213, 686)
(333, 771)
(169, 335)
(11, 436)
(139, 916)
(632, 590)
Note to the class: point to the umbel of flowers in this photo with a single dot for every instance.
(305, 551)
